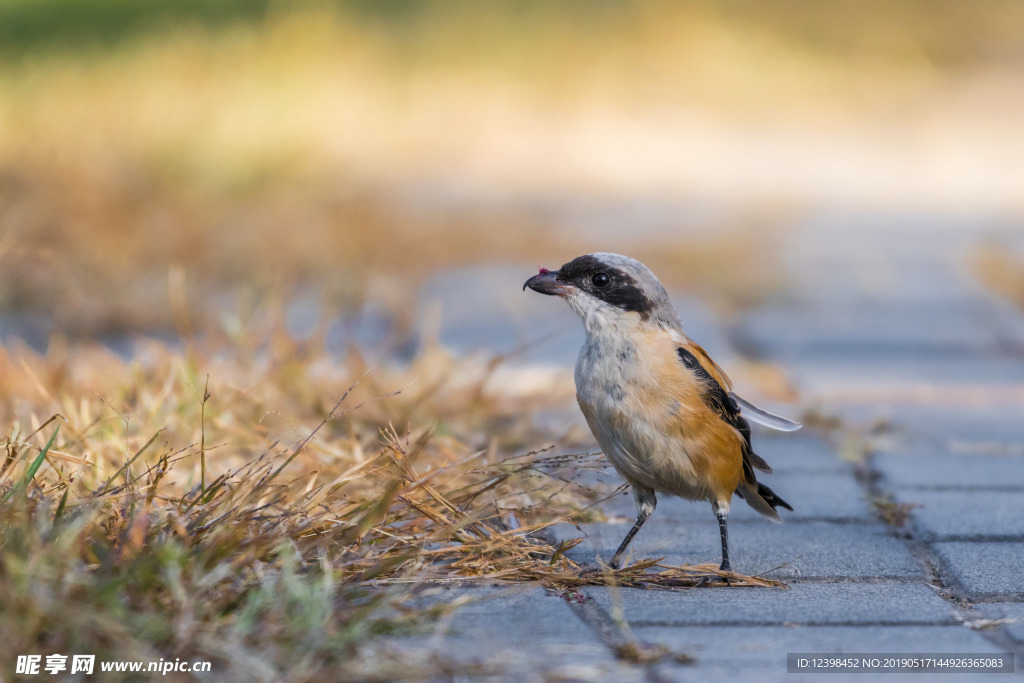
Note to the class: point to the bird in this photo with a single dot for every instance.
(662, 410)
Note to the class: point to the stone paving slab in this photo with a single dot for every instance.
(1013, 611)
(491, 658)
(543, 613)
(966, 515)
(803, 603)
(736, 674)
(942, 428)
(875, 375)
(518, 634)
(854, 326)
(983, 571)
(803, 451)
(782, 551)
(924, 467)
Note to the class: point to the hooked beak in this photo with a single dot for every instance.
(546, 282)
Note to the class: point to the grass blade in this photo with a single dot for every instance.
(33, 468)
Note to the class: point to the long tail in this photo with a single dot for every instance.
(762, 499)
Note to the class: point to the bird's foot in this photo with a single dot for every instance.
(714, 579)
(596, 569)
(706, 581)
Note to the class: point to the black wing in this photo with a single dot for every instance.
(719, 400)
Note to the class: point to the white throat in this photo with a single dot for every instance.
(600, 318)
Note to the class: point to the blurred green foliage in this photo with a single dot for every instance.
(942, 32)
(57, 25)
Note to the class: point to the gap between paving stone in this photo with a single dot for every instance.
(997, 577)
(931, 564)
(523, 633)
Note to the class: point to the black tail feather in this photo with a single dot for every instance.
(759, 462)
(771, 497)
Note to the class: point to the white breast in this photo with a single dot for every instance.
(610, 377)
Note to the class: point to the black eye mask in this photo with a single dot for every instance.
(621, 290)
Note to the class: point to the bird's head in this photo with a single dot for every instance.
(608, 290)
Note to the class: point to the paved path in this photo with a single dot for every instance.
(885, 330)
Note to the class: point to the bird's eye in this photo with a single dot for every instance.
(600, 279)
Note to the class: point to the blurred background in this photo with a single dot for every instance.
(380, 173)
(217, 216)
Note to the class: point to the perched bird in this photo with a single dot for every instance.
(661, 409)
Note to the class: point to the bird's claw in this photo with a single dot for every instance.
(712, 580)
(596, 569)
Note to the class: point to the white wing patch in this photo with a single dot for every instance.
(763, 417)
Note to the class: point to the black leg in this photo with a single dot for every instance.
(640, 519)
(646, 500)
(722, 513)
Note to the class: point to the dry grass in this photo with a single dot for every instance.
(118, 545)
(892, 513)
(1000, 269)
(269, 508)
